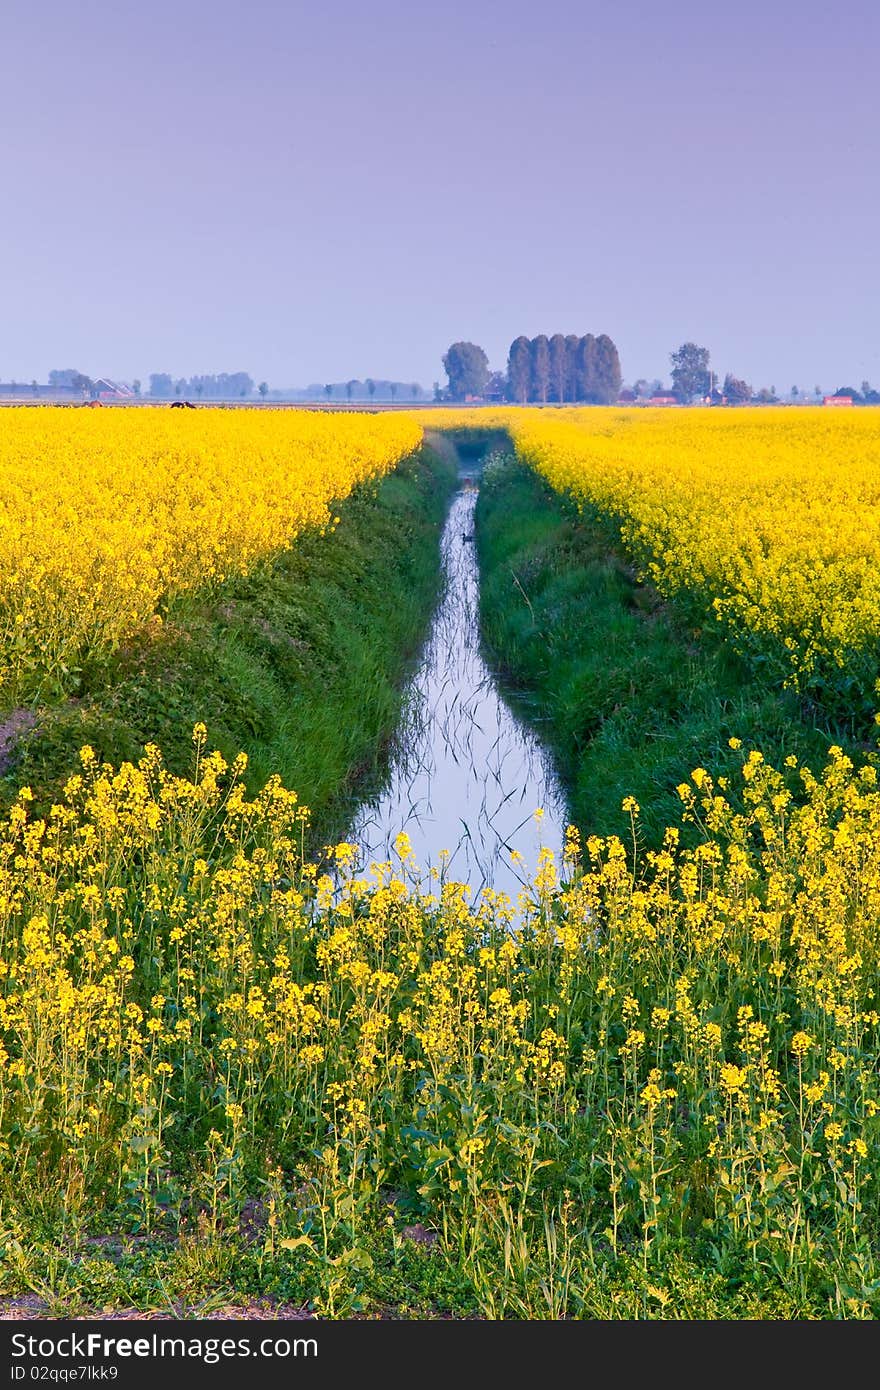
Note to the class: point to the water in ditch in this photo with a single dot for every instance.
(467, 777)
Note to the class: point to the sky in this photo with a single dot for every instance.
(316, 192)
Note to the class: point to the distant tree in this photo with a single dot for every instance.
(795, 393)
(200, 387)
(817, 392)
(414, 390)
(540, 359)
(558, 366)
(849, 391)
(59, 378)
(438, 394)
(393, 389)
(571, 366)
(180, 387)
(645, 389)
(83, 383)
(161, 385)
(519, 370)
(35, 387)
(136, 386)
(496, 386)
(690, 371)
(226, 385)
(767, 396)
(585, 368)
(328, 389)
(608, 375)
(371, 387)
(736, 391)
(349, 387)
(467, 367)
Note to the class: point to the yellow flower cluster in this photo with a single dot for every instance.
(183, 999)
(766, 521)
(105, 515)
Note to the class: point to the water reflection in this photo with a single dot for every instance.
(467, 776)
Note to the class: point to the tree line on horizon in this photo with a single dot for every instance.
(567, 369)
(560, 369)
(222, 386)
(240, 385)
(370, 389)
(693, 379)
(563, 368)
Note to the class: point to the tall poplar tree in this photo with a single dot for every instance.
(571, 368)
(519, 370)
(585, 367)
(608, 376)
(540, 354)
(558, 366)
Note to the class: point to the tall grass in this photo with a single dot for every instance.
(623, 689)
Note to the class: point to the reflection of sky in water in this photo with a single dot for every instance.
(467, 776)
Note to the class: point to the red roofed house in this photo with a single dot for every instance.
(113, 390)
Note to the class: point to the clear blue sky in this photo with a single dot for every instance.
(311, 192)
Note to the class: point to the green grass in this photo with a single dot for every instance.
(300, 664)
(393, 1276)
(628, 698)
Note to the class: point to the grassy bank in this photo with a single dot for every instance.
(300, 664)
(627, 696)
